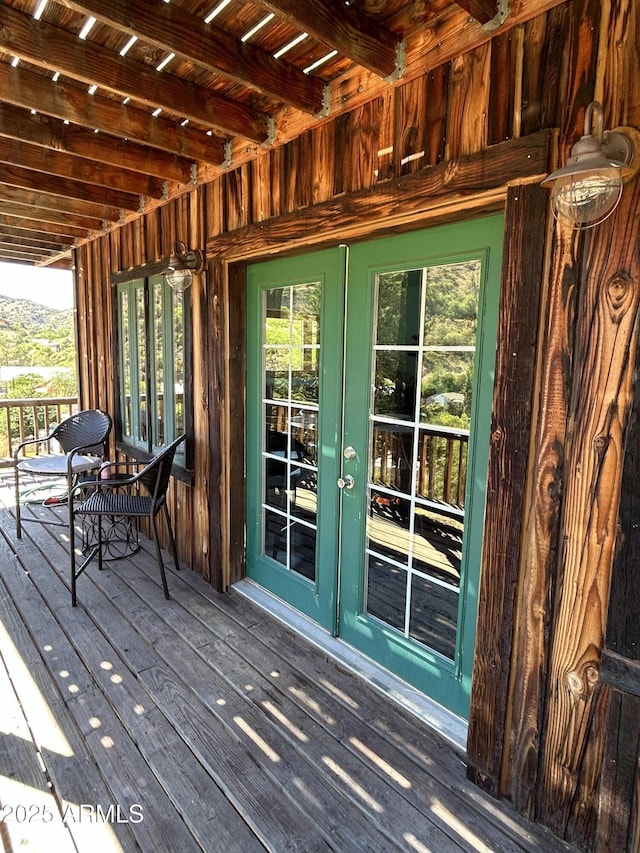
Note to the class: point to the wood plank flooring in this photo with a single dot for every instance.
(202, 723)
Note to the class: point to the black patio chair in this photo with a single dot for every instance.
(83, 439)
(141, 495)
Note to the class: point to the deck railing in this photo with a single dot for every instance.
(21, 420)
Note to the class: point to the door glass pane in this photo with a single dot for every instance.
(422, 380)
(179, 378)
(291, 353)
(141, 327)
(158, 363)
(125, 361)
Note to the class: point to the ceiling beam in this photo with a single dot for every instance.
(56, 163)
(37, 236)
(16, 176)
(482, 10)
(170, 28)
(33, 241)
(33, 91)
(69, 209)
(56, 49)
(343, 28)
(9, 253)
(10, 244)
(60, 229)
(53, 134)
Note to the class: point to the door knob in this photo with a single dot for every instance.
(346, 482)
(349, 452)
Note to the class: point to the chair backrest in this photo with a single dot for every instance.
(157, 472)
(88, 430)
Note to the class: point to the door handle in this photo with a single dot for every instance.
(346, 482)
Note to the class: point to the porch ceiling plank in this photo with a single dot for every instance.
(175, 30)
(25, 210)
(17, 176)
(59, 164)
(60, 229)
(29, 90)
(56, 49)
(55, 135)
(482, 10)
(342, 27)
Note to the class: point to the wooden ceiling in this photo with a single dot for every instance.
(108, 107)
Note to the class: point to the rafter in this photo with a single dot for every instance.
(12, 244)
(482, 10)
(91, 213)
(10, 254)
(32, 91)
(56, 49)
(55, 163)
(36, 226)
(51, 133)
(16, 176)
(170, 28)
(342, 27)
(29, 239)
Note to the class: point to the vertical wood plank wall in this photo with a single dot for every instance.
(542, 723)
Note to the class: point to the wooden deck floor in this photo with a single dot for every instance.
(202, 723)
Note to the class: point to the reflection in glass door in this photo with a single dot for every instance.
(291, 344)
(424, 354)
(294, 383)
(412, 522)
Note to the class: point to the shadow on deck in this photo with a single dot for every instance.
(202, 723)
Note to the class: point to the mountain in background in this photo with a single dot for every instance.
(30, 316)
(39, 340)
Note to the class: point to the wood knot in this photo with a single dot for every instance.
(497, 435)
(600, 443)
(582, 681)
(592, 674)
(575, 683)
(619, 293)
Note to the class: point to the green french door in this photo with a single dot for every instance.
(370, 375)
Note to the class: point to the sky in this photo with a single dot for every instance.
(50, 287)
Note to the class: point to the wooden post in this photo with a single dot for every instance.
(511, 424)
(606, 336)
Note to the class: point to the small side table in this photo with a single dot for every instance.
(120, 536)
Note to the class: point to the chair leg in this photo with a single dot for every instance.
(72, 553)
(99, 522)
(156, 539)
(172, 540)
(17, 488)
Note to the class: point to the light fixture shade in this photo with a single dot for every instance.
(183, 264)
(589, 187)
(178, 279)
(587, 200)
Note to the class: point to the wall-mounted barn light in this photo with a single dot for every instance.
(183, 264)
(587, 190)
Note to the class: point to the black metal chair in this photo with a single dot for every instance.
(83, 439)
(141, 495)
